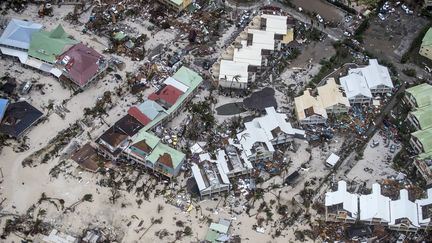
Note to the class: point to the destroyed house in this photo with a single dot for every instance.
(17, 35)
(233, 163)
(87, 158)
(424, 209)
(340, 205)
(176, 5)
(262, 133)
(218, 232)
(116, 138)
(18, 118)
(81, 64)
(112, 143)
(47, 45)
(166, 160)
(210, 176)
(403, 213)
(374, 207)
(419, 96)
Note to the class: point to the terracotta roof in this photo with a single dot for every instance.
(165, 159)
(168, 93)
(136, 113)
(82, 64)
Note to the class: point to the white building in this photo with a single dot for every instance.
(210, 176)
(233, 75)
(403, 213)
(377, 77)
(260, 134)
(424, 209)
(361, 84)
(248, 54)
(233, 163)
(375, 208)
(356, 88)
(341, 206)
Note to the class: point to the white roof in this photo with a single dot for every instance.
(211, 172)
(198, 177)
(349, 201)
(375, 74)
(22, 55)
(354, 84)
(403, 208)
(276, 23)
(332, 159)
(262, 39)
(248, 54)
(421, 203)
(375, 205)
(180, 86)
(196, 149)
(230, 69)
(260, 130)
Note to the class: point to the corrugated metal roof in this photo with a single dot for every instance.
(18, 33)
(3, 106)
(422, 93)
(425, 138)
(47, 46)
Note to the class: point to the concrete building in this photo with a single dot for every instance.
(375, 208)
(262, 133)
(209, 176)
(361, 84)
(424, 209)
(426, 45)
(312, 110)
(421, 141)
(233, 162)
(340, 205)
(247, 55)
(147, 149)
(403, 213)
(421, 118)
(419, 96)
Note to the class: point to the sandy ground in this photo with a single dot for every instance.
(375, 161)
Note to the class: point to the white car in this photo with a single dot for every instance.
(320, 19)
(381, 16)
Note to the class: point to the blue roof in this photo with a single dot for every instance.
(18, 33)
(3, 106)
(151, 109)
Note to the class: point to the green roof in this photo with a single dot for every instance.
(187, 77)
(424, 116)
(219, 228)
(425, 138)
(212, 236)
(422, 94)
(425, 156)
(427, 39)
(150, 139)
(176, 156)
(47, 45)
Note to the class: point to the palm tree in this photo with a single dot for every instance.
(235, 78)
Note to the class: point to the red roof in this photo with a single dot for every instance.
(169, 94)
(82, 63)
(136, 113)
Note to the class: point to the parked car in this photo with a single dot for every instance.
(392, 148)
